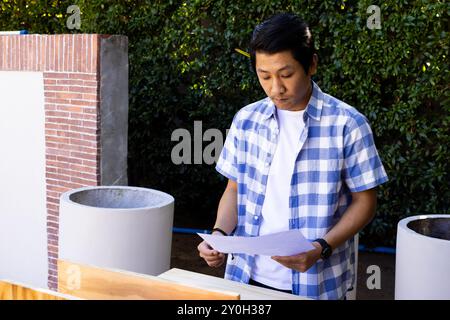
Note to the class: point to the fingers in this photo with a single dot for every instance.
(291, 262)
(216, 261)
(282, 260)
(288, 259)
(212, 257)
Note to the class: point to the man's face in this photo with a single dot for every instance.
(284, 80)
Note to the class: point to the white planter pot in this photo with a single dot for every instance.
(125, 228)
(422, 268)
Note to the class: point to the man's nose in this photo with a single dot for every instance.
(277, 87)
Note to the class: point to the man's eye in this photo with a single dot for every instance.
(266, 78)
(287, 76)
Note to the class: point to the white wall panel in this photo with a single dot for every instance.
(23, 236)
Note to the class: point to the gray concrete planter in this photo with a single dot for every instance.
(126, 228)
(422, 268)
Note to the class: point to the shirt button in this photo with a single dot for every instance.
(267, 163)
(255, 217)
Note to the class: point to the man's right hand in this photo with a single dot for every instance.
(212, 257)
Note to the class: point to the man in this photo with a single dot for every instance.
(298, 159)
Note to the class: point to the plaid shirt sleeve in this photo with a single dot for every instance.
(363, 169)
(227, 163)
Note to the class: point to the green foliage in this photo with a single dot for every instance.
(36, 16)
(183, 67)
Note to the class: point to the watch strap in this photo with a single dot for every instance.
(326, 248)
(219, 230)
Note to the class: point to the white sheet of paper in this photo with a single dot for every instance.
(286, 243)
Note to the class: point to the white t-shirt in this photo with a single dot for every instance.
(275, 210)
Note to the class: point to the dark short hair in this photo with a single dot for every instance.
(283, 31)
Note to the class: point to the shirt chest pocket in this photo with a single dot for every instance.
(258, 148)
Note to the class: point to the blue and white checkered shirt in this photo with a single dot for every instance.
(337, 156)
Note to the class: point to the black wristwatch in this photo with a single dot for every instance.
(326, 248)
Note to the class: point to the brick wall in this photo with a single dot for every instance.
(71, 65)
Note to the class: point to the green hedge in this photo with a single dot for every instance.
(183, 68)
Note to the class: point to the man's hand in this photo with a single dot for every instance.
(212, 257)
(303, 261)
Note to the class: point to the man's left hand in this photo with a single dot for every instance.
(303, 261)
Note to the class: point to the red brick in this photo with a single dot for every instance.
(56, 75)
(86, 156)
(56, 188)
(94, 84)
(32, 56)
(51, 175)
(60, 56)
(84, 76)
(53, 113)
(56, 126)
(92, 117)
(83, 181)
(52, 225)
(49, 132)
(90, 163)
(49, 94)
(86, 103)
(50, 106)
(69, 160)
(49, 82)
(57, 139)
(52, 218)
(90, 97)
(57, 152)
(85, 143)
(70, 82)
(53, 272)
(52, 206)
(52, 242)
(57, 101)
(52, 200)
(90, 110)
(84, 89)
(52, 236)
(50, 157)
(56, 164)
(86, 169)
(52, 249)
(52, 232)
(90, 124)
(67, 95)
(66, 53)
(52, 259)
(82, 53)
(95, 56)
(56, 88)
(51, 169)
(84, 130)
(70, 108)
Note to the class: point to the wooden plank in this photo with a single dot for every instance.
(6, 291)
(15, 291)
(247, 292)
(95, 283)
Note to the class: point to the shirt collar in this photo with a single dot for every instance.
(313, 108)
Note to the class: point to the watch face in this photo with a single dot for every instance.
(326, 253)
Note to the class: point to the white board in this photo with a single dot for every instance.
(23, 237)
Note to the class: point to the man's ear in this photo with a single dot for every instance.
(313, 66)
